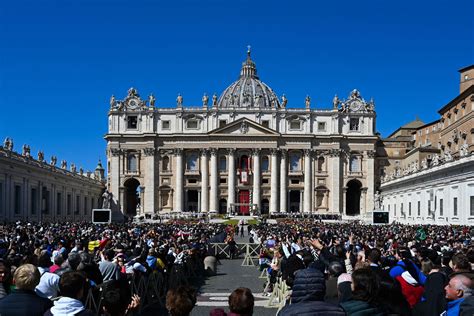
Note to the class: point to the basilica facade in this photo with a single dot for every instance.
(246, 151)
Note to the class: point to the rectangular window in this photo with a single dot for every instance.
(17, 205)
(395, 209)
(85, 205)
(419, 208)
(265, 181)
(455, 206)
(472, 203)
(389, 207)
(132, 122)
(409, 208)
(401, 210)
(77, 205)
(321, 126)
(34, 202)
(222, 123)
(354, 124)
(222, 163)
(59, 203)
(165, 125)
(295, 181)
(440, 207)
(266, 123)
(222, 180)
(295, 125)
(192, 124)
(68, 204)
(192, 181)
(1, 197)
(354, 166)
(429, 208)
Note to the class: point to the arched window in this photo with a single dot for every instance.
(320, 164)
(295, 162)
(192, 161)
(132, 165)
(165, 163)
(265, 163)
(222, 163)
(244, 163)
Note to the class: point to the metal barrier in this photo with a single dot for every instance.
(151, 288)
(279, 295)
(251, 252)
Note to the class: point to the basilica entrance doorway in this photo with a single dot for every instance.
(132, 197)
(222, 206)
(192, 201)
(353, 198)
(244, 200)
(295, 200)
(265, 206)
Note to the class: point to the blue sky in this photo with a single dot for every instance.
(60, 61)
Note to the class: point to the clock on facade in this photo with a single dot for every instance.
(132, 103)
(356, 105)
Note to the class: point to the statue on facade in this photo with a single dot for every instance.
(377, 200)
(214, 100)
(284, 100)
(40, 156)
(307, 102)
(335, 102)
(81, 171)
(355, 94)
(179, 100)
(106, 200)
(63, 164)
(53, 161)
(8, 144)
(73, 168)
(205, 100)
(113, 102)
(464, 150)
(26, 150)
(447, 155)
(370, 106)
(424, 164)
(151, 100)
(132, 92)
(435, 160)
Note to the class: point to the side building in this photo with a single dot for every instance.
(429, 177)
(33, 189)
(243, 152)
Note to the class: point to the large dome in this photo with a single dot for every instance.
(248, 91)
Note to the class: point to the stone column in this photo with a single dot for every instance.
(178, 204)
(283, 181)
(307, 182)
(231, 179)
(363, 201)
(148, 200)
(335, 172)
(274, 181)
(204, 181)
(213, 203)
(256, 178)
(114, 173)
(370, 172)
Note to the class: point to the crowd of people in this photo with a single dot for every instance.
(330, 268)
(356, 269)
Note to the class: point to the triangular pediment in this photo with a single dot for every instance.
(244, 127)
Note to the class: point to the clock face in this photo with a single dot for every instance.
(356, 105)
(133, 104)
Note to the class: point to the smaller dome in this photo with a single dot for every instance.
(248, 91)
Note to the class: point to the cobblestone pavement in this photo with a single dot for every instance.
(231, 275)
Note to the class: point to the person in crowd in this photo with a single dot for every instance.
(71, 264)
(23, 301)
(307, 296)
(461, 265)
(457, 290)
(58, 260)
(406, 264)
(365, 288)
(5, 278)
(434, 302)
(109, 269)
(241, 302)
(49, 282)
(181, 301)
(335, 269)
(117, 299)
(72, 289)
